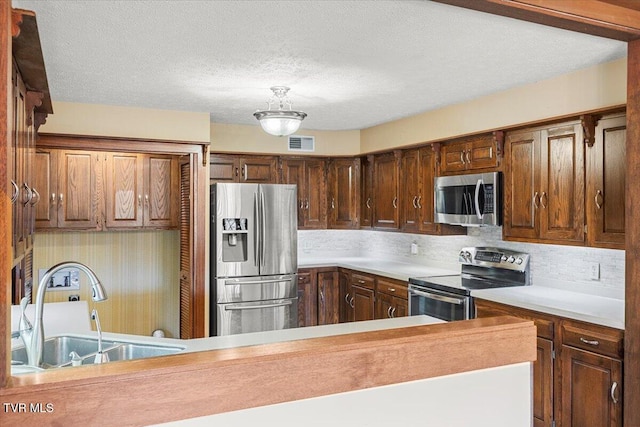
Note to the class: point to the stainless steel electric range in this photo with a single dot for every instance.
(449, 297)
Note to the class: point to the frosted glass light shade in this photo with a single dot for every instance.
(280, 126)
(280, 122)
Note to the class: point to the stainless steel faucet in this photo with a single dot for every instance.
(33, 337)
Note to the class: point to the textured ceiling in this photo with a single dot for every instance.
(350, 64)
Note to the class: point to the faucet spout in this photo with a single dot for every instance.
(35, 343)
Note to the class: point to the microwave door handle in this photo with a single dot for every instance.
(456, 301)
(477, 201)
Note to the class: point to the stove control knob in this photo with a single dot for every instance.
(511, 259)
(467, 255)
(518, 260)
(504, 258)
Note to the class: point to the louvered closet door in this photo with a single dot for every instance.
(186, 289)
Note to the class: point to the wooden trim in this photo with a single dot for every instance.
(123, 144)
(199, 278)
(632, 244)
(604, 18)
(197, 384)
(5, 198)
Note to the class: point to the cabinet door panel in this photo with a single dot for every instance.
(315, 202)
(543, 384)
(44, 179)
(161, 191)
(520, 193)
(384, 305)
(77, 182)
(482, 153)
(454, 157)
(590, 383)
(385, 187)
(293, 173)
(307, 298)
(366, 190)
(410, 179)
(258, 170)
(606, 168)
(223, 169)
(562, 183)
(364, 303)
(328, 298)
(426, 173)
(124, 196)
(344, 193)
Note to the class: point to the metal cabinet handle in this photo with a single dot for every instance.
(236, 171)
(389, 312)
(393, 312)
(301, 204)
(244, 171)
(37, 198)
(468, 157)
(333, 203)
(590, 342)
(322, 297)
(392, 289)
(542, 198)
(346, 298)
(413, 202)
(395, 203)
(28, 192)
(536, 198)
(418, 202)
(462, 157)
(16, 192)
(361, 281)
(139, 200)
(60, 199)
(368, 203)
(351, 304)
(614, 386)
(53, 198)
(599, 205)
(146, 200)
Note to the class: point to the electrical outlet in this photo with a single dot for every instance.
(594, 271)
(414, 248)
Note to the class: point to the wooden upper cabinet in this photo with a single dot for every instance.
(250, 169)
(479, 152)
(45, 180)
(544, 185)
(78, 184)
(161, 191)
(386, 177)
(366, 191)
(344, 193)
(310, 177)
(605, 193)
(410, 190)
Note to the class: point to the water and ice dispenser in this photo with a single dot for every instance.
(234, 239)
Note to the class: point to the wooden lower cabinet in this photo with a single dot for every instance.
(364, 303)
(391, 298)
(307, 298)
(318, 296)
(328, 297)
(577, 377)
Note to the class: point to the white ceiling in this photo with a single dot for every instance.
(350, 64)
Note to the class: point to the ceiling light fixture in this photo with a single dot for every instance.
(280, 122)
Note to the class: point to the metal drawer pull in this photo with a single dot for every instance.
(254, 307)
(468, 158)
(415, 198)
(614, 386)
(395, 203)
(419, 205)
(590, 342)
(462, 157)
(346, 298)
(16, 192)
(368, 203)
(393, 312)
(535, 200)
(392, 289)
(542, 199)
(389, 312)
(361, 281)
(599, 205)
(333, 203)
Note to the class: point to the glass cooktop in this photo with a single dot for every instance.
(461, 284)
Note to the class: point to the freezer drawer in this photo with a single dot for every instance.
(256, 316)
(257, 288)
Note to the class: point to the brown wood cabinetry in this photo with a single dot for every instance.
(605, 192)
(366, 192)
(236, 168)
(479, 152)
(391, 298)
(346, 298)
(386, 180)
(141, 190)
(362, 300)
(318, 296)
(577, 377)
(544, 185)
(310, 177)
(344, 193)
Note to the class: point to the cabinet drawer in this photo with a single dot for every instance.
(304, 277)
(544, 325)
(391, 287)
(598, 339)
(362, 280)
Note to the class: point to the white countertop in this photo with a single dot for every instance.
(574, 305)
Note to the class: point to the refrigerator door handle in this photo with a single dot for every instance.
(256, 235)
(258, 306)
(262, 226)
(256, 282)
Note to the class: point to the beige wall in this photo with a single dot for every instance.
(252, 139)
(142, 284)
(108, 120)
(588, 89)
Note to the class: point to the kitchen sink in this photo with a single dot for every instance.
(57, 351)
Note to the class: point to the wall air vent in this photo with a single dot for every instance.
(301, 143)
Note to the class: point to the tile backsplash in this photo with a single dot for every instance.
(565, 267)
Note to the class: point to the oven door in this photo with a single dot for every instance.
(442, 305)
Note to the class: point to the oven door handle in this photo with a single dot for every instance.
(456, 301)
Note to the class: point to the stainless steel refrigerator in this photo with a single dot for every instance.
(254, 258)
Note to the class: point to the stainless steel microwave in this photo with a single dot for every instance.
(469, 200)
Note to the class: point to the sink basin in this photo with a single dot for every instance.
(57, 351)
